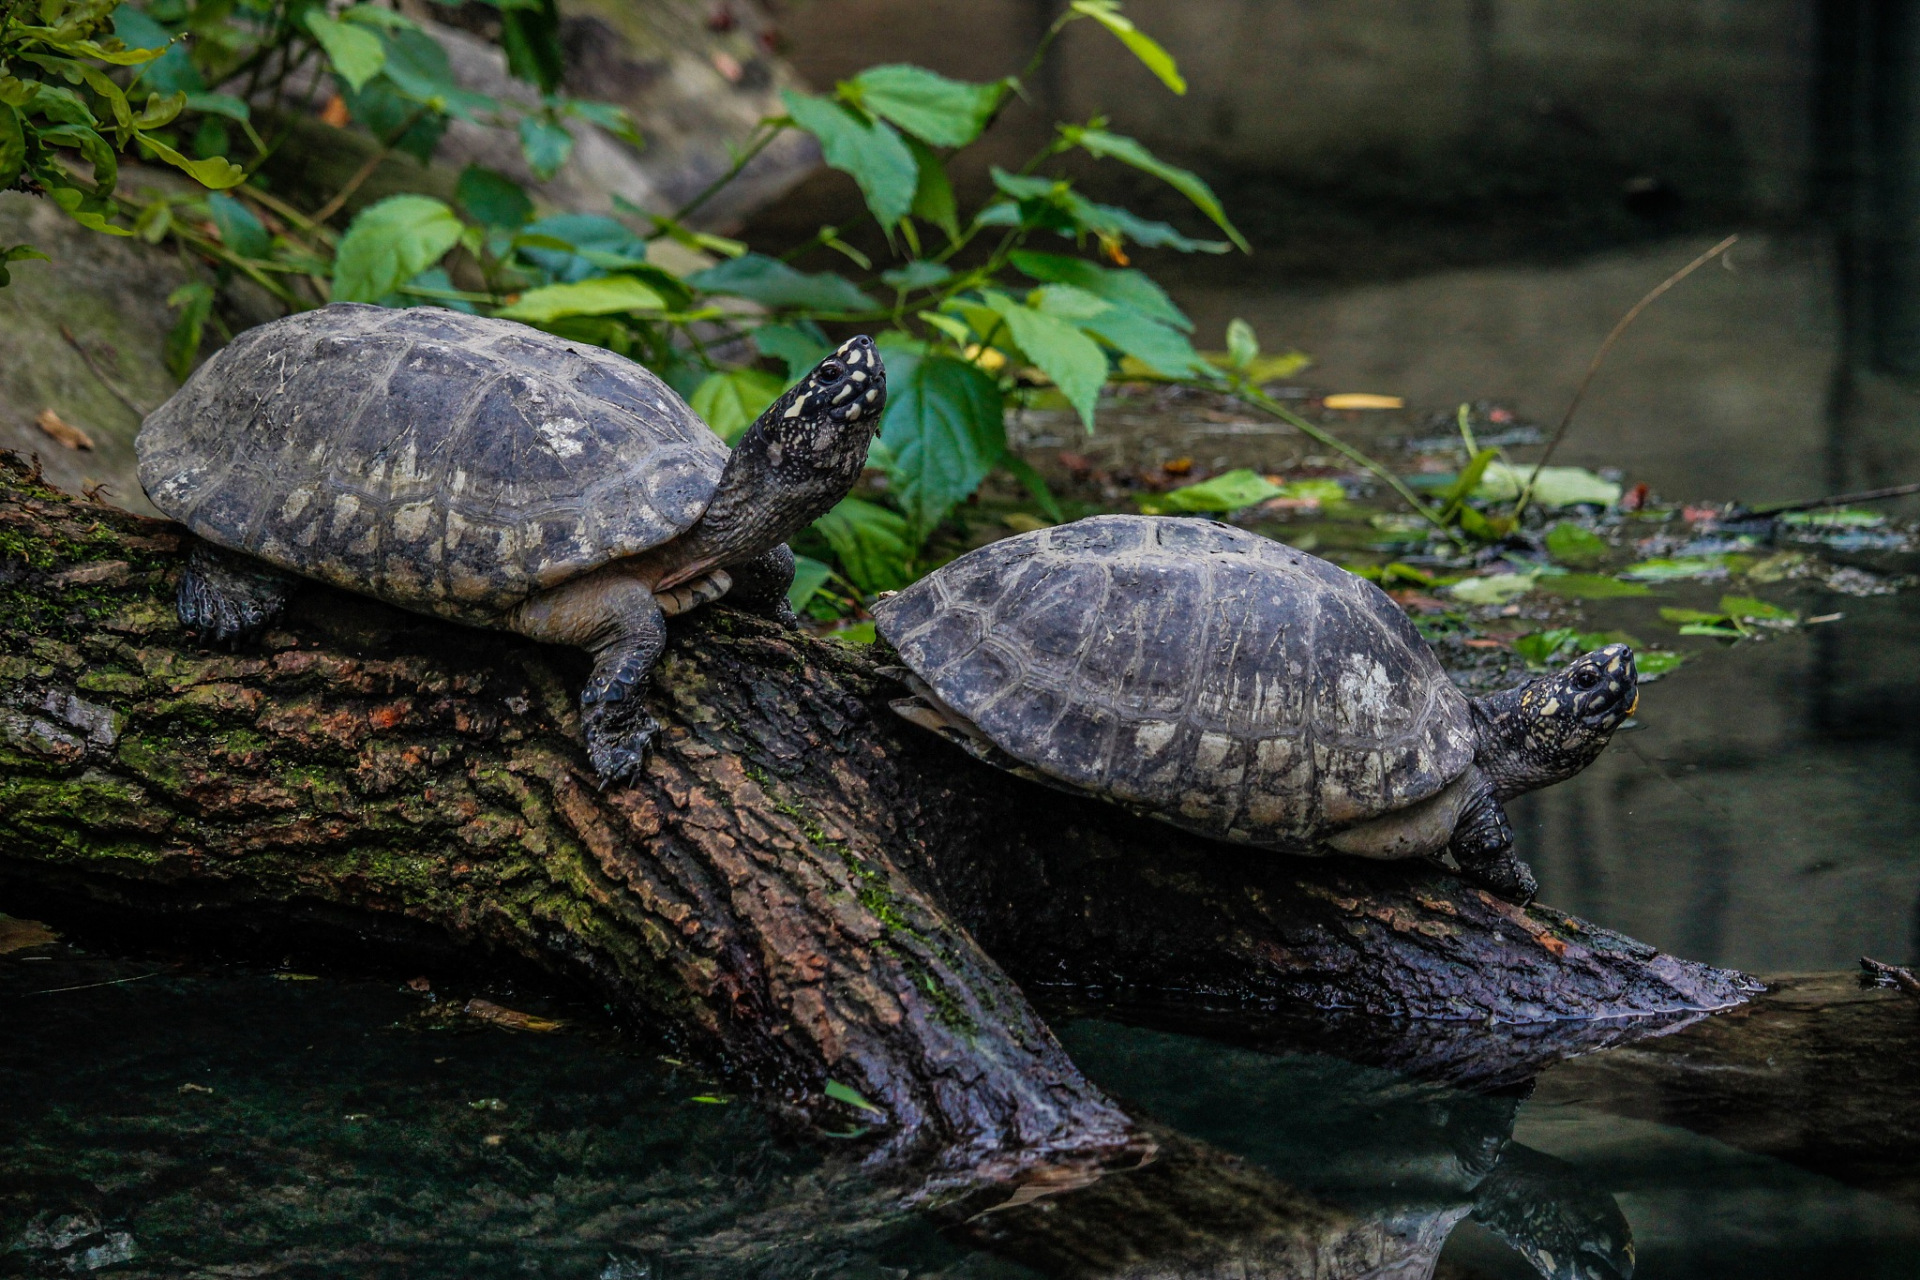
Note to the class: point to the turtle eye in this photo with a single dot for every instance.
(1586, 678)
(832, 371)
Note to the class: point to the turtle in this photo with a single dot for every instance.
(482, 471)
(1239, 688)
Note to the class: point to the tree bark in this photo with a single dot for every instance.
(802, 888)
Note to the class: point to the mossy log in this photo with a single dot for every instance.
(801, 889)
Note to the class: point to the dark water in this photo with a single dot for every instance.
(213, 1122)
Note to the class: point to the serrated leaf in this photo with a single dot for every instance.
(1161, 348)
(355, 53)
(933, 199)
(493, 199)
(769, 281)
(729, 400)
(1227, 492)
(570, 246)
(602, 296)
(1138, 43)
(1130, 289)
(798, 346)
(917, 275)
(871, 544)
(545, 145)
(239, 229)
(390, 243)
(938, 111)
(944, 427)
(1114, 146)
(1058, 349)
(868, 150)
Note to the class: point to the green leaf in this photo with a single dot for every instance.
(1592, 586)
(841, 1093)
(1834, 519)
(870, 542)
(18, 253)
(944, 426)
(1711, 629)
(1139, 43)
(1692, 616)
(355, 53)
(390, 243)
(938, 111)
(13, 146)
(240, 231)
(809, 575)
(729, 400)
(1576, 545)
(545, 144)
(1494, 588)
(797, 346)
(1540, 647)
(1131, 289)
(1230, 491)
(1467, 481)
(1160, 347)
(917, 275)
(854, 633)
(1651, 664)
(183, 340)
(603, 296)
(1058, 349)
(1116, 147)
(215, 174)
(1753, 609)
(213, 104)
(530, 34)
(493, 199)
(106, 165)
(573, 246)
(869, 150)
(1243, 347)
(773, 283)
(1556, 487)
(88, 209)
(1034, 483)
(1676, 570)
(933, 199)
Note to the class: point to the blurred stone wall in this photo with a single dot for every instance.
(1701, 101)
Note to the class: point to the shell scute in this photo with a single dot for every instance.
(444, 461)
(1226, 682)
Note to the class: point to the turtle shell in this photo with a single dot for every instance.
(442, 461)
(1211, 677)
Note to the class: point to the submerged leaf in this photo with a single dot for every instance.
(1494, 588)
(1556, 487)
(1576, 545)
(1592, 586)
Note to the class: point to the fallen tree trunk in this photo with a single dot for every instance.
(801, 888)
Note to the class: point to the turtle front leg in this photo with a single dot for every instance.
(1483, 846)
(227, 597)
(615, 617)
(760, 585)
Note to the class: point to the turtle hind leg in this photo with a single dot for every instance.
(1483, 846)
(760, 585)
(227, 598)
(617, 618)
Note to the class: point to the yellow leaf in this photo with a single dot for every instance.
(1363, 400)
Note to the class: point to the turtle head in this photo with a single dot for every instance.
(1551, 728)
(794, 463)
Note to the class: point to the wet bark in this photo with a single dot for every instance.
(801, 889)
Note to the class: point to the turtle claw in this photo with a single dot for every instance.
(618, 734)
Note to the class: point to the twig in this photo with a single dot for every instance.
(1891, 975)
(741, 161)
(366, 170)
(1593, 367)
(101, 374)
(88, 986)
(1837, 500)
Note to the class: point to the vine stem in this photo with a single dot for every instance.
(1254, 396)
(772, 128)
(1593, 366)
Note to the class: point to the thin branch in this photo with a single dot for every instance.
(740, 163)
(366, 170)
(1593, 366)
(1836, 500)
(98, 372)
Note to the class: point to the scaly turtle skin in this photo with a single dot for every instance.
(496, 475)
(1236, 687)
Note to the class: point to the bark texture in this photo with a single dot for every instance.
(801, 888)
